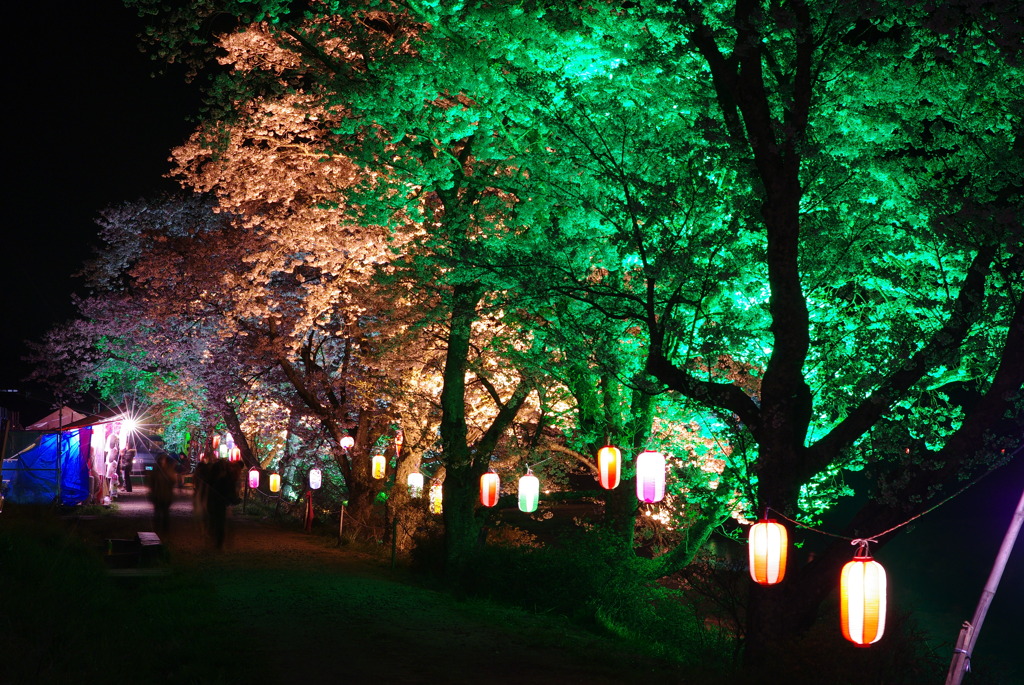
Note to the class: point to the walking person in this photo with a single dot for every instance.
(161, 493)
(127, 461)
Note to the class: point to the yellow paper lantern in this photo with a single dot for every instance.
(862, 590)
(275, 482)
(415, 484)
(609, 464)
(379, 466)
(767, 546)
(436, 497)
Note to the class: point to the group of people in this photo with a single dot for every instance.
(117, 474)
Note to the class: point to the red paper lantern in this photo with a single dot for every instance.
(235, 454)
(767, 545)
(609, 464)
(216, 441)
(650, 477)
(862, 590)
(490, 487)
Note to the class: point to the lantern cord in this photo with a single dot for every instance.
(874, 538)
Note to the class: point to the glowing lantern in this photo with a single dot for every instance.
(275, 482)
(650, 477)
(415, 483)
(436, 497)
(767, 545)
(399, 438)
(254, 478)
(609, 463)
(347, 442)
(216, 441)
(529, 492)
(490, 487)
(379, 466)
(862, 599)
(315, 479)
(235, 455)
(222, 451)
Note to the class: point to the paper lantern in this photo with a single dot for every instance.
(347, 442)
(254, 478)
(399, 438)
(222, 451)
(490, 488)
(609, 464)
(275, 482)
(650, 477)
(862, 600)
(529, 492)
(767, 545)
(415, 483)
(379, 466)
(216, 441)
(436, 497)
(316, 479)
(235, 454)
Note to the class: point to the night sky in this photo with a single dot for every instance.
(88, 127)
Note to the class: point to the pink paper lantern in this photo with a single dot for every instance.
(650, 477)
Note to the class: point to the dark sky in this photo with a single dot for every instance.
(88, 127)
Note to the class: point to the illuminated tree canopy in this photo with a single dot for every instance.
(784, 239)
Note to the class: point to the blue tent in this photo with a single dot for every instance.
(31, 475)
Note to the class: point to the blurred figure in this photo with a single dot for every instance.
(216, 485)
(161, 492)
(110, 476)
(126, 462)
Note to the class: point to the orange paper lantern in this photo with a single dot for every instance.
(609, 464)
(862, 590)
(490, 487)
(275, 482)
(767, 545)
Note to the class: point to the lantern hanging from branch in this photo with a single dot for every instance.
(862, 590)
(254, 478)
(436, 497)
(216, 441)
(767, 546)
(275, 482)
(529, 492)
(415, 483)
(222, 451)
(399, 439)
(379, 466)
(347, 441)
(235, 454)
(650, 477)
(490, 488)
(609, 464)
(316, 479)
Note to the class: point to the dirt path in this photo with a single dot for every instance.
(280, 606)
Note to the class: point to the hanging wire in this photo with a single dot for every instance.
(874, 538)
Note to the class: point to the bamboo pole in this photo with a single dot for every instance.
(961, 661)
